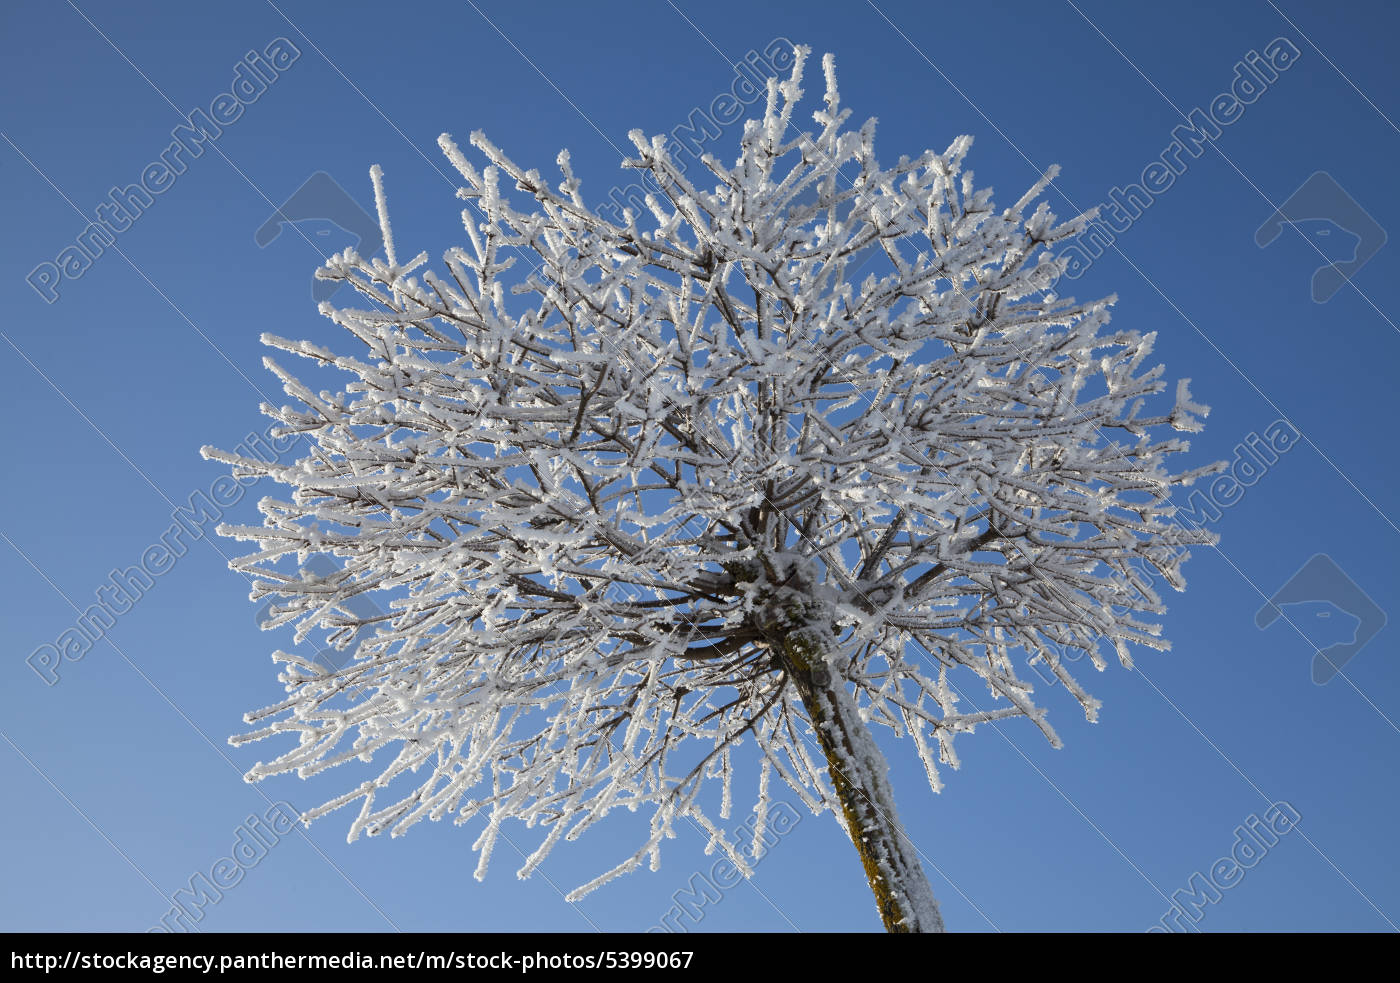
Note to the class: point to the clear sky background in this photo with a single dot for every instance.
(119, 783)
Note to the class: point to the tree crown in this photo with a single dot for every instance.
(821, 396)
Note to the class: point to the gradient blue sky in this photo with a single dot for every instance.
(120, 782)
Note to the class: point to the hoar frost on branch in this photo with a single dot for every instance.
(689, 486)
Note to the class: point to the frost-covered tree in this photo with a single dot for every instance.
(686, 490)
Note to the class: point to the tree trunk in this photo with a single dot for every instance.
(859, 774)
(791, 610)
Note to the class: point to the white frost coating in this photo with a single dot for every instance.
(580, 467)
(864, 764)
(381, 205)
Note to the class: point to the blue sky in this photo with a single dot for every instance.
(121, 783)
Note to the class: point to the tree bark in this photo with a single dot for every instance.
(789, 610)
(859, 775)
